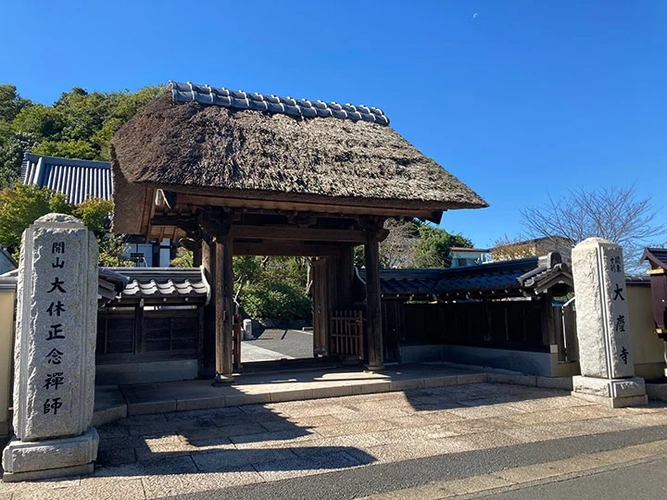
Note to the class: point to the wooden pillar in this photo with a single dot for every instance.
(320, 308)
(208, 342)
(373, 304)
(224, 307)
(197, 255)
(345, 277)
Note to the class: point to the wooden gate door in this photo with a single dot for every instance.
(346, 334)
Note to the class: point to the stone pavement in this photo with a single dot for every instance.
(158, 455)
(113, 402)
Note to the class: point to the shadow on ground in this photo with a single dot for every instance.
(232, 439)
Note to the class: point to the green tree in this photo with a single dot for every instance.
(11, 103)
(112, 249)
(415, 244)
(96, 214)
(78, 125)
(434, 246)
(42, 122)
(184, 258)
(12, 146)
(20, 206)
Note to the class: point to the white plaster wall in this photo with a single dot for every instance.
(6, 350)
(647, 348)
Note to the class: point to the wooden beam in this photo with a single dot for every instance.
(367, 209)
(188, 223)
(299, 233)
(291, 248)
(373, 301)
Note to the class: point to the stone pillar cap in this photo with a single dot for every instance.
(60, 218)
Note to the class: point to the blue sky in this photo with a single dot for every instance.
(518, 99)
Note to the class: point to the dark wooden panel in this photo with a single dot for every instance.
(126, 336)
(496, 324)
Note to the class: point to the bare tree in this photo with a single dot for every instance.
(616, 214)
(398, 249)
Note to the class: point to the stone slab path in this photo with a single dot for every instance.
(158, 455)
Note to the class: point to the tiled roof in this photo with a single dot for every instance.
(512, 276)
(485, 277)
(238, 99)
(164, 284)
(77, 179)
(657, 257)
(408, 281)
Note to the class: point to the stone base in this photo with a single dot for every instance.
(614, 393)
(28, 460)
(374, 368)
(79, 470)
(222, 380)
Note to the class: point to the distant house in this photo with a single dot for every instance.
(7, 262)
(82, 179)
(462, 257)
(533, 248)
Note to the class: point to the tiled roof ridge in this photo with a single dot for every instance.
(239, 99)
(60, 160)
(78, 179)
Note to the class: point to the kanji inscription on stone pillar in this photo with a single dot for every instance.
(603, 327)
(54, 374)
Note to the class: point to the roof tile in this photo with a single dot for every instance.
(238, 99)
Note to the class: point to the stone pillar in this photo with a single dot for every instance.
(54, 373)
(603, 327)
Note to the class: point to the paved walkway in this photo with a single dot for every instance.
(157, 455)
(113, 402)
(276, 343)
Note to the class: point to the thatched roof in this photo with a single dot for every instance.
(225, 145)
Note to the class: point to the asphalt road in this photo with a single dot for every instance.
(646, 480)
(381, 478)
(286, 344)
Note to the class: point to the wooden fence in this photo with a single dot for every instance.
(346, 334)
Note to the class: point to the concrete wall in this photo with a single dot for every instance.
(140, 373)
(7, 297)
(533, 363)
(647, 349)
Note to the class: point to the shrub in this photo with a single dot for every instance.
(276, 300)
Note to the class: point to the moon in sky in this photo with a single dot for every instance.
(474, 16)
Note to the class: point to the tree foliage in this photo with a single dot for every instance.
(95, 213)
(266, 287)
(78, 125)
(415, 244)
(21, 205)
(11, 103)
(435, 244)
(615, 214)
